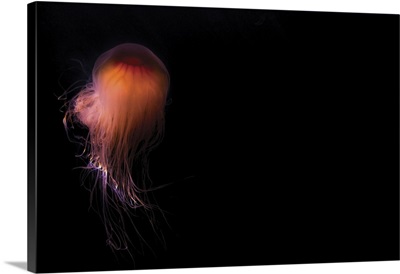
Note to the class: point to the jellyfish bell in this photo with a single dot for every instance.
(133, 70)
(130, 83)
(123, 110)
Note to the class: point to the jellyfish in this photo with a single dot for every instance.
(122, 110)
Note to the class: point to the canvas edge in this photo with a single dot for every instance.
(32, 136)
(398, 89)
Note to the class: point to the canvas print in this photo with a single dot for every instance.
(181, 137)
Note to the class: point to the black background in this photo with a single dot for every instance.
(281, 142)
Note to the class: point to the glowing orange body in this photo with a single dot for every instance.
(123, 109)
